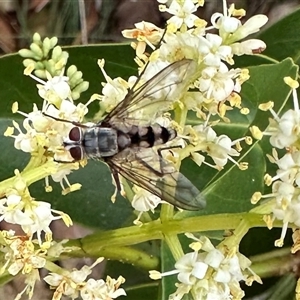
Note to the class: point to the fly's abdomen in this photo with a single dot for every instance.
(100, 142)
(151, 136)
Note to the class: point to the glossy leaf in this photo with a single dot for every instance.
(282, 38)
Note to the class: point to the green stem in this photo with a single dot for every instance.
(158, 230)
(95, 245)
(54, 268)
(180, 115)
(167, 212)
(274, 263)
(127, 255)
(238, 234)
(36, 174)
(174, 246)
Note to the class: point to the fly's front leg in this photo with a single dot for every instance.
(67, 121)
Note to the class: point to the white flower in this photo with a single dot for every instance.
(231, 29)
(146, 34)
(251, 26)
(210, 273)
(58, 85)
(287, 209)
(55, 89)
(100, 289)
(144, 200)
(225, 23)
(41, 217)
(11, 209)
(180, 45)
(69, 283)
(213, 51)
(218, 147)
(286, 130)
(190, 268)
(67, 110)
(286, 206)
(22, 255)
(73, 284)
(217, 83)
(288, 167)
(33, 216)
(68, 288)
(114, 90)
(28, 141)
(182, 13)
(252, 46)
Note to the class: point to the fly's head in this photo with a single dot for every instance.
(74, 143)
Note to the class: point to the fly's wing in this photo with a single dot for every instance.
(156, 95)
(145, 168)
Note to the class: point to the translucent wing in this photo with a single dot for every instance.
(145, 168)
(157, 94)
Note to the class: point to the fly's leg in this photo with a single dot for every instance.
(159, 151)
(116, 178)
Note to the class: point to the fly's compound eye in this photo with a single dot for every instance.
(76, 152)
(75, 134)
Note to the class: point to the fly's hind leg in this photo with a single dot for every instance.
(159, 151)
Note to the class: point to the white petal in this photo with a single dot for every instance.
(214, 258)
(255, 23)
(199, 269)
(222, 276)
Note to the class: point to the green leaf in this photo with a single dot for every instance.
(146, 291)
(283, 39)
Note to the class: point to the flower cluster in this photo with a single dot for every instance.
(34, 217)
(23, 254)
(45, 129)
(74, 284)
(215, 84)
(189, 38)
(206, 60)
(210, 273)
(284, 134)
(22, 257)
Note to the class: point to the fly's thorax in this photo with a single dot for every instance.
(94, 142)
(150, 136)
(100, 142)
